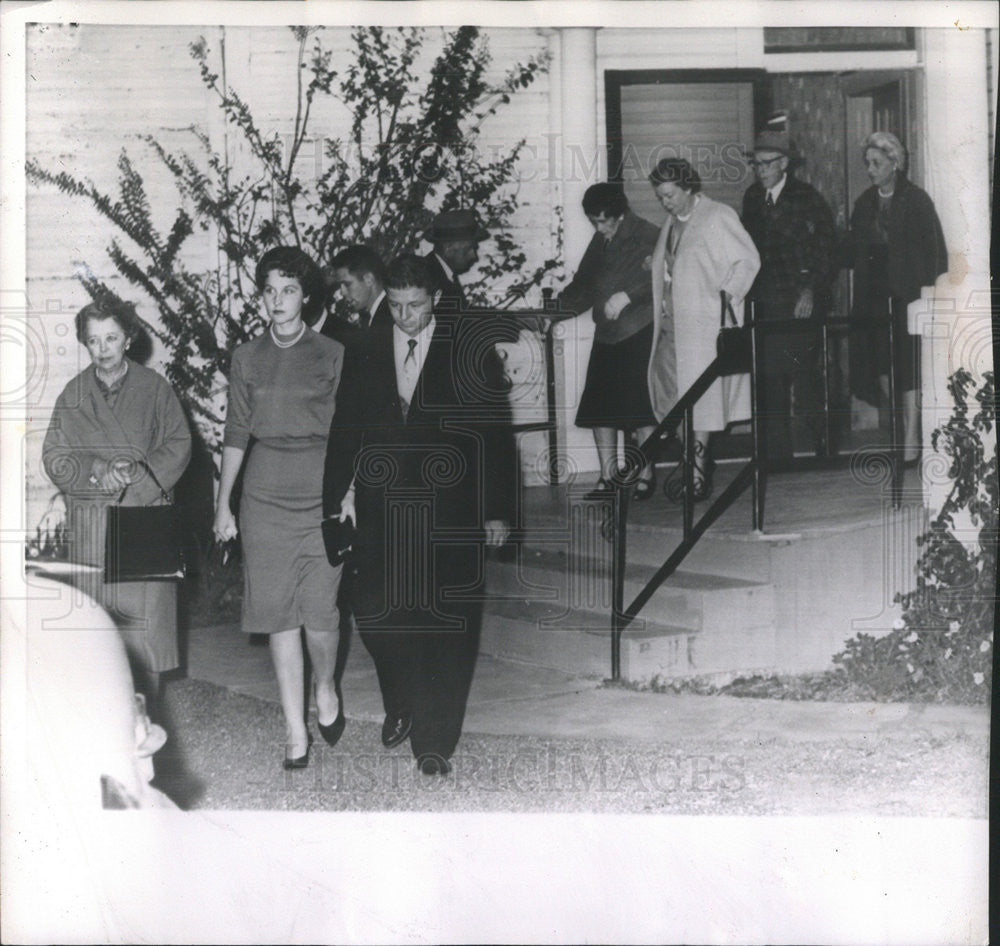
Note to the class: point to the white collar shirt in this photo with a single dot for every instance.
(374, 307)
(448, 271)
(778, 188)
(408, 371)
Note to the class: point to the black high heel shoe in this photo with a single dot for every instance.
(703, 481)
(300, 762)
(331, 733)
(645, 488)
(603, 489)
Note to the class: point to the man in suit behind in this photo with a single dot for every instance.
(456, 235)
(359, 273)
(792, 228)
(422, 458)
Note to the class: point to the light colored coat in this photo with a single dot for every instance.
(147, 424)
(715, 253)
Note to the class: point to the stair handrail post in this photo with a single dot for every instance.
(757, 494)
(895, 467)
(827, 436)
(619, 527)
(689, 453)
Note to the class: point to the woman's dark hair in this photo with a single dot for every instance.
(410, 272)
(606, 200)
(293, 263)
(122, 312)
(676, 171)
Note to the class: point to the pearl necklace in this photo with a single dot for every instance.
(287, 343)
(108, 381)
(684, 218)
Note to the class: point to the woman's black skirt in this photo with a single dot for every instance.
(871, 348)
(616, 393)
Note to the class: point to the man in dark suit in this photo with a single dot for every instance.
(359, 274)
(792, 227)
(456, 235)
(422, 458)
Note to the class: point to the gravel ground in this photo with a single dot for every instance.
(225, 751)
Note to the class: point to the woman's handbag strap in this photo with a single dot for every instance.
(149, 470)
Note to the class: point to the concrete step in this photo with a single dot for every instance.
(692, 600)
(548, 634)
(724, 552)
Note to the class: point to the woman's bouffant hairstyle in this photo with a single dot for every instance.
(122, 312)
(889, 145)
(293, 263)
(676, 171)
(606, 200)
(410, 272)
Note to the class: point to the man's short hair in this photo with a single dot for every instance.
(360, 260)
(606, 200)
(409, 271)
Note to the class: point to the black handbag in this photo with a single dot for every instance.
(733, 349)
(143, 543)
(338, 539)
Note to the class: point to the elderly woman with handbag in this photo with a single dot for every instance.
(895, 246)
(702, 251)
(118, 436)
(282, 389)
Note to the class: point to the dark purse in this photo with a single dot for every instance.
(143, 543)
(338, 539)
(733, 349)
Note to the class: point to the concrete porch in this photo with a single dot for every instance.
(832, 557)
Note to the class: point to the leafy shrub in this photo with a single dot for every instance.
(942, 646)
(412, 147)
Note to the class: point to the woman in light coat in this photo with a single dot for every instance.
(702, 250)
(118, 435)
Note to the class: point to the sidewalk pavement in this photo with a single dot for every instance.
(517, 699)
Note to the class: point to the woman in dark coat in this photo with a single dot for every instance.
(112, 424)
(896, 246)
(613, 281)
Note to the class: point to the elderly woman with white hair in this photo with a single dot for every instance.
(895, 247)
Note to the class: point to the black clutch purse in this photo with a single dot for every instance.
(732, 346)
(143, 543)
(338, 539)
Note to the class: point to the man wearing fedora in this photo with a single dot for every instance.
(792, 228)
(456, 235)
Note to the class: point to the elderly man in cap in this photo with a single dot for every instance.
(456, 235)
(792, 228)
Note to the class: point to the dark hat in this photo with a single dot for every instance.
(456, 225)
(774, 141)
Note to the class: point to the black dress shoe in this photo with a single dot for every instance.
(431, 764)
(300, 762)
(395, 729)
(332, 733)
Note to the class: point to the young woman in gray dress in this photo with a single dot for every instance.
(282, 387)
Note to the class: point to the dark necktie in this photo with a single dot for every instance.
(364, 318)
(769, 202)
(409, 368)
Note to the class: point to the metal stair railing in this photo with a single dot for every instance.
(752, 474)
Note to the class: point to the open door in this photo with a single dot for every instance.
(877, 101)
